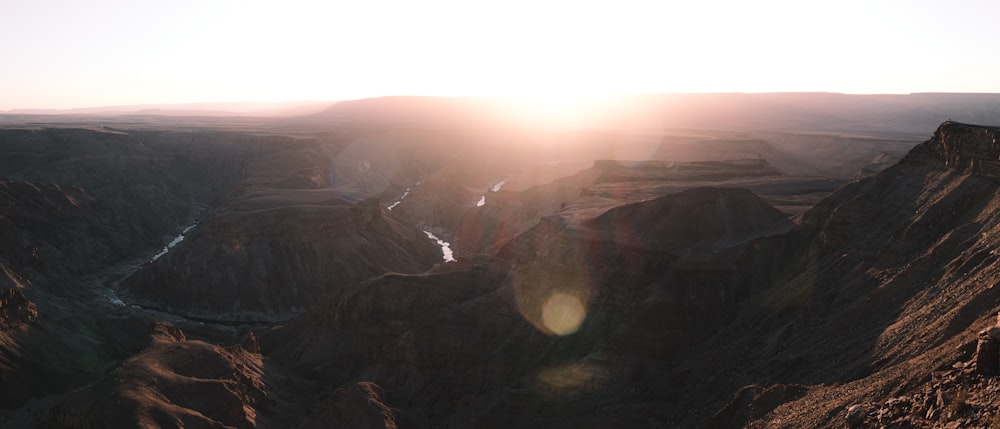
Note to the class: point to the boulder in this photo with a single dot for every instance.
(987, 354)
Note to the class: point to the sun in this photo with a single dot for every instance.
(553, 108)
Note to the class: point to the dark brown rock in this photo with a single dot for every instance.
(987, 356)
(249, 342)
(856, 415)
(16, 309)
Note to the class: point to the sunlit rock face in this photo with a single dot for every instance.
(173, 382)
(269, 254)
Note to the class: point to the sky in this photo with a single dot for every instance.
(85, 53)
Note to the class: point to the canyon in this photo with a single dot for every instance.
(822, 273)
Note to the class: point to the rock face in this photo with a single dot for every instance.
(987, 358)
(969, 149)
(892, 275)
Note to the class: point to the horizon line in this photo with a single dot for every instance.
(226, 106)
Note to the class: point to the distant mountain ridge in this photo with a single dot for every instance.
(891, 115)
(279, 108)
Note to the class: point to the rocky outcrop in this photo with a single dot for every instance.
(987, 360)
(954, 398)
(174, 382)
(701, 218)
(970, 149)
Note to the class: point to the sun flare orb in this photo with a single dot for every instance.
(562, 313)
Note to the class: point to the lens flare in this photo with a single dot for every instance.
(562, 314)
(572, 379)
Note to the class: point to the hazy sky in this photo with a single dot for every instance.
(77, 53)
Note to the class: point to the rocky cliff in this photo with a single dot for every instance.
(876, 298)
(969, 149)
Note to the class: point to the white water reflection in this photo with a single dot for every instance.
(495, 188)
(405, 193)
(399, 200)
(177, 240)
(445, 247)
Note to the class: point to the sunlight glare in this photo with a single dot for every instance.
(552, 108)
